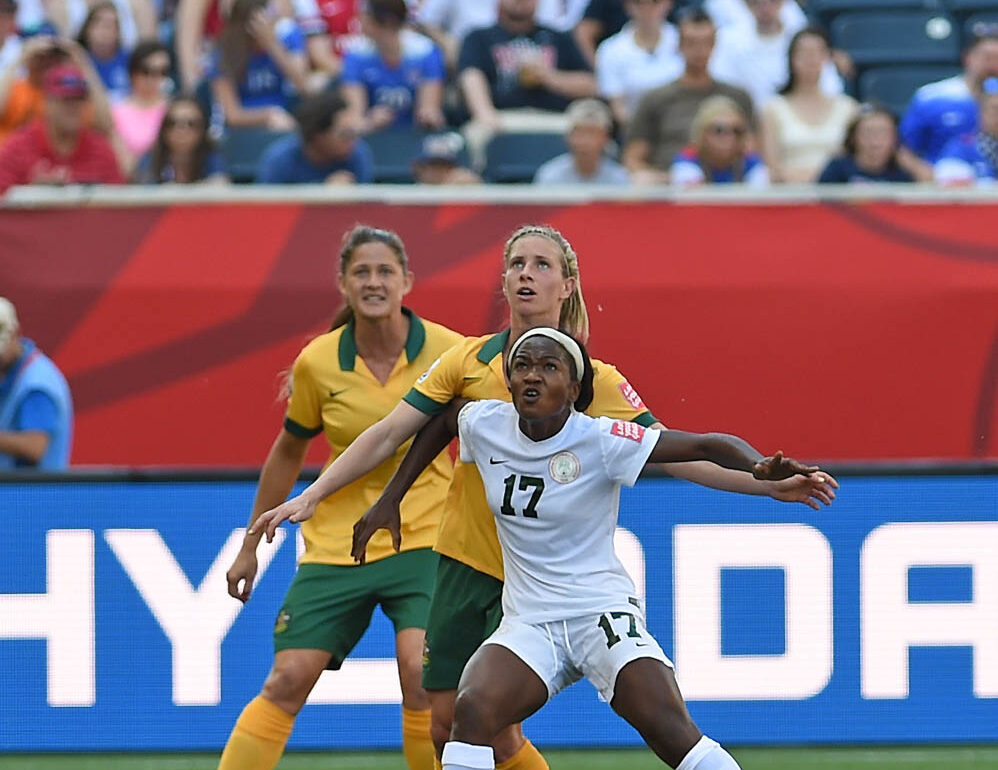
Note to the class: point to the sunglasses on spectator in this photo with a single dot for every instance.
(193, 123)
(157, 72)
(722, 129)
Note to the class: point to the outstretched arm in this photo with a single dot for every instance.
(727, 451)
(367, 452)
(814, 491)
(431, 440)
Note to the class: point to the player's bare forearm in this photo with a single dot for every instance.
(707, 474)
(277, 477)
(368, 451)
(719, 448)
(431, 440)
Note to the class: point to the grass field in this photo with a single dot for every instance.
(911, 758)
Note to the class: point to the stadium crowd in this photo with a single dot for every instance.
(639, 92)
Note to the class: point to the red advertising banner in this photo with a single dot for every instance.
(832, 331)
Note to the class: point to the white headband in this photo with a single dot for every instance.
(570, 345)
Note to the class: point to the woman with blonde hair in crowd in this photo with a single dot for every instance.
(542, 284)
(719, 152)
(803, 127)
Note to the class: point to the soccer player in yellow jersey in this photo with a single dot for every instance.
(341, 383)
(541, 282)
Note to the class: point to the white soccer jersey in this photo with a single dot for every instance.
(555, 503)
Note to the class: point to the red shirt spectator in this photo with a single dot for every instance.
(59, 148)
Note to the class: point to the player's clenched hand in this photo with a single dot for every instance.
(297, 509)
(777, 467)
(243, 570)
(384, 514)
(813, 490)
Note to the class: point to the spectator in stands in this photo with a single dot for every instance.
(136, 18)
(661, 125)
(872, 152)
(601, 20)
(448, 22)
(739, 13)
(199, 23)
(719, 153)
(440, 161)
(137, 119)
(183, 151)
(803, 127)
(590, 127)
(58, 148)
(22, 98)
(259, 68)
(326, 148)
(10, 40)
(36, 409)
(753, 55)
(973, 158)
(520, 76)
(100, 37)
(642, 56)
(947, 109)
(393, 76)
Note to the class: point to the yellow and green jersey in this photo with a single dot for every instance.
(334, 392)
(474, 369)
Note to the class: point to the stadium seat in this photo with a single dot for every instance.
(901, 37)
(824, 11)
(515, 157)
(243, 147)
(893, 87)
(394, 149)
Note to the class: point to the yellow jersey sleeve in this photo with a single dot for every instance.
(304, 413)
(615, 397)
(443, 381)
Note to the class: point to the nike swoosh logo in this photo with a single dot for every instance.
(494, 461)
(641, 644)
(335, 393)
(472, 378)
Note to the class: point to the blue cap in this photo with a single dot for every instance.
(442, 148)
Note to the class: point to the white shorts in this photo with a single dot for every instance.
(595, 646)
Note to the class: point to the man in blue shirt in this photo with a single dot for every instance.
(973, 158)
(36, 411)
(947, 109)
(325, 150)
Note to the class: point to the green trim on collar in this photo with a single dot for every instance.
(493, 347)
(417, 335)
(413, 343)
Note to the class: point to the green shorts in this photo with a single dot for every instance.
(328, 606)
(466, 609)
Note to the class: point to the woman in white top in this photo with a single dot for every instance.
(552, 476)
(642, 56)
(802, 127)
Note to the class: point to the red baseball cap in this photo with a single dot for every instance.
(65, 81)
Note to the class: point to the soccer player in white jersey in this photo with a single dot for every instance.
(552, 476)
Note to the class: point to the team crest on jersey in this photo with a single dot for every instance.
(424, 375)
(630, 430)
(283, 619)
(631, 396)
(564, 467)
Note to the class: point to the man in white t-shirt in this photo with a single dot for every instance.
(753, 56)
(643, 55)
